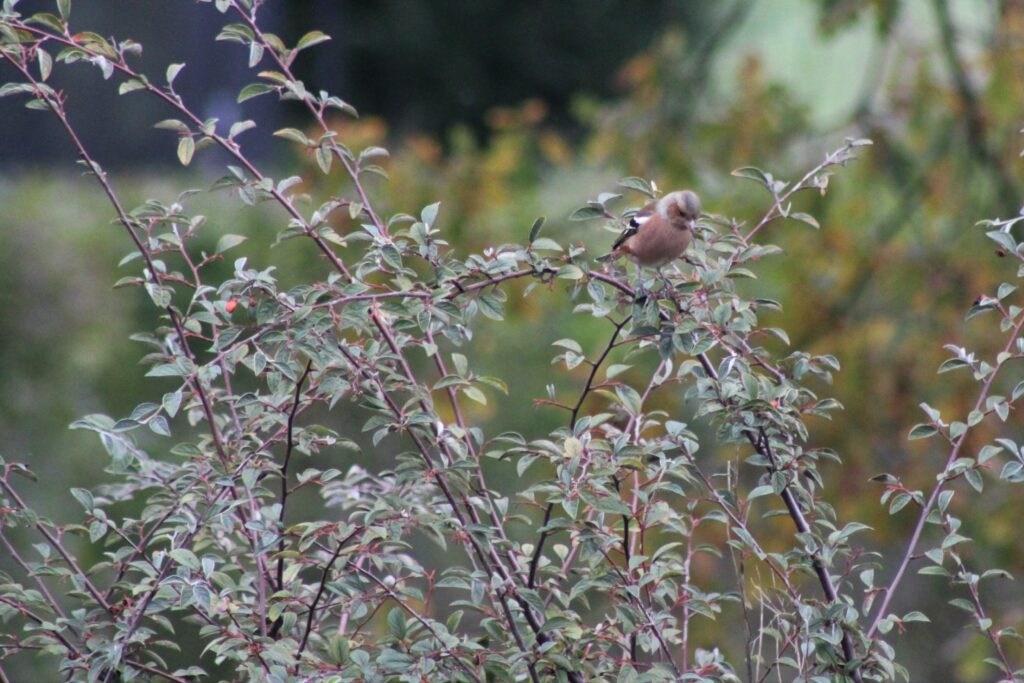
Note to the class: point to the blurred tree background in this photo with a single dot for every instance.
(510, 109)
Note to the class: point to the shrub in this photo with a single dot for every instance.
(579, 554)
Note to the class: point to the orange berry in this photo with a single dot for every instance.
(231, 305)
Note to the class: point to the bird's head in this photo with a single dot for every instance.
(681, 208)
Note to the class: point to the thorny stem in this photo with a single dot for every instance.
(418, 617)
(777, 211)
(628, 582)
(926, 509)
(31, 616)
(284, 467)
(685, 637)
(971, 581)
(468, 538)
(594, 367)
(484, 492)
(324, 576)
(230, 146)
(491, 561)
(52, 601)
(55, 105)
(633, 428)
(250, 20)
(761, 443)
(787, 495)
(741, 524)
(55, 543)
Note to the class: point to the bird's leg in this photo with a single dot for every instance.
(666, 285)
(641, 289)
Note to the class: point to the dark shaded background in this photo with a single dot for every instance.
(420, 65)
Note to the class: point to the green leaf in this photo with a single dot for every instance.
(293, 134)
(952, 540)
(338, 103)
(85, 498)
(186, 148)
(755, 174)
(570, 344)
(570, 272)
(615, 370)
(922, 431)
(240, 127)
(1003, 239)
(312, 38)
(491, 306)
(806, 218)
(130, 85)
(973, 478)
(159, 425)
(899, 502)
(161, 296)
(48, 20)
(475, 394)
(172, 124)
(933, 570)
(988, 452)
(228, 241)
(184, 557)
(429, 214)
(495, 382)
(953, 364)
(372, 153)
(588, 213)
(8, 89)
(630, 399)
(254, 90)
(172, 72)
(759, 491)
(546, 243)
(639, 184)
(171, 402)
(324, 157)
(535, 230)
(255, 53)
(45, 62)
(396, 623)
(106, 67)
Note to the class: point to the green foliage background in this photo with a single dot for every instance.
(882, 286)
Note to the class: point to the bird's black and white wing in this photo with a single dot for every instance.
(636, 221)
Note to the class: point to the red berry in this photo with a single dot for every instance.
(231, 305)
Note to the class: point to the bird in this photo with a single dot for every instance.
(660, 232)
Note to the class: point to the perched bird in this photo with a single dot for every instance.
(661, 231)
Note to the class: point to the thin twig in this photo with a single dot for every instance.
(324, 576)
(574, 414)
(423, 621)
(908, 553)
(284, 468)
